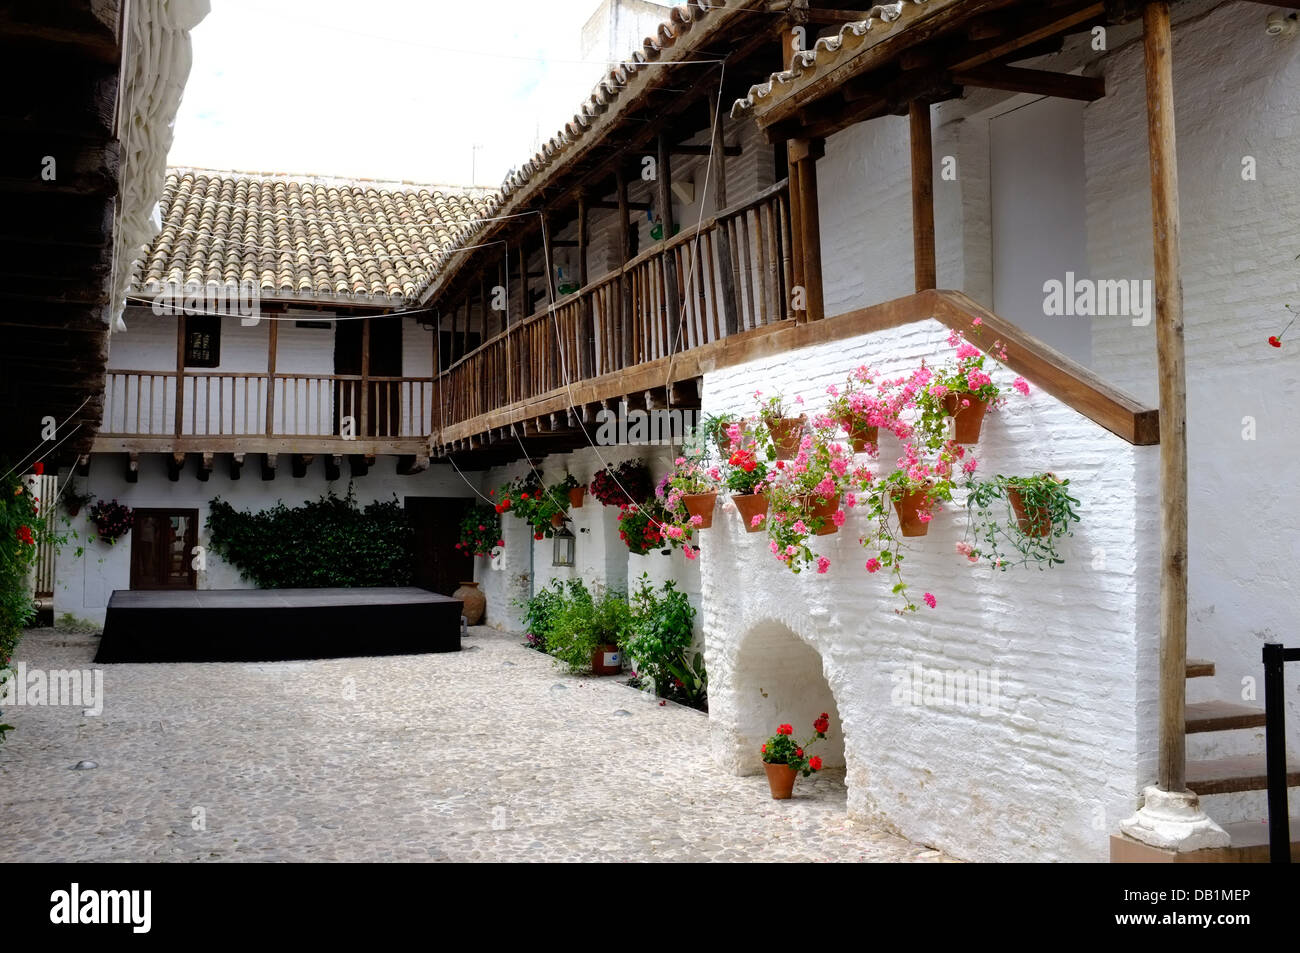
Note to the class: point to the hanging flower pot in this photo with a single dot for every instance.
(1035, 521)
(823, 509)
(749, 505)
(576, 496)
(787, 432)
(701, 505)
(969, 419)
(557, 520)
(780, 780)
(861, 437)
(907, 506)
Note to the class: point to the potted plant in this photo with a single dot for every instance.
(692, 487)
(589, 631)
(622, 483)
(784, 758)
(663, 631)
(860, 412)
(786, 431)
(746, 479)
(73, 501)
(571, 488)
(480, 531)
(640, 527)
(717, 431)
(1034, 512)
(963, 390)
(113, 520)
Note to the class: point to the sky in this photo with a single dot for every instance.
(452, 92)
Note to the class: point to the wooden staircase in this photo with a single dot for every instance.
(1219, 776)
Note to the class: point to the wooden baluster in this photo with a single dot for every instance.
(746, 271)
(787, 266)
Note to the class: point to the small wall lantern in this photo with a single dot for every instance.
(564, 547)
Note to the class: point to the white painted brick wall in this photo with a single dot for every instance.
(1052, 774)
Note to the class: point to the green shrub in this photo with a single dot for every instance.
(583, 623)
(541, 611)
(663, 628)
(323, 543)
(20, 528)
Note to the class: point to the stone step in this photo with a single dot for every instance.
(1199, 668)
(1222, 716)
(1228, 775)
(1249, 845)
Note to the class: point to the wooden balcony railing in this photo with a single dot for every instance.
(733, 274)
(249, 404)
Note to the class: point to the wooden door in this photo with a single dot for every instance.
(162, 547)
(439, 566)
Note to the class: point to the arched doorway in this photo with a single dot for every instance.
(778, 677)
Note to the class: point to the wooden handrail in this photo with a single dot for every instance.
(1067, 380)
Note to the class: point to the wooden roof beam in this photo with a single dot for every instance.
(1041, 82)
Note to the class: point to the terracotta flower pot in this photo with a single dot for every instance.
(606, 660)
(749, 505)
(780, 779)
(825, 510)
(969, 420)
(906, 506)
(860, 438)
(787, 434)
(701, 505)
(575, 497)
(474, 602)
(1033, 521)
(557, 520)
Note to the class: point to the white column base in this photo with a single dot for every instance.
(1173, 820)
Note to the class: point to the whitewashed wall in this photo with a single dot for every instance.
(83, 584)
(1234, 94)
(1052, 772)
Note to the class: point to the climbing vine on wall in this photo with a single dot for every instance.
(330, 542)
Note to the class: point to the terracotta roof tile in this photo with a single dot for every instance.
(302, 237)
(826, 53)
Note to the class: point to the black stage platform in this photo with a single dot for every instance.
(263, 625)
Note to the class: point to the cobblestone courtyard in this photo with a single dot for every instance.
(490, 754)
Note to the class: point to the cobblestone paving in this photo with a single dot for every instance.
(489, 754)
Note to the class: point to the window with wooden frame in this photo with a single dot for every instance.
(202, 340)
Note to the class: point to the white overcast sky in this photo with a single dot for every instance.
(383, 89)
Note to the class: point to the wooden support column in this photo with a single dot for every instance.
(805, 153)
(180, 374)
(363, 428)
(625, 323)
(272, 343)
(664, 204)
(455, 331)
(588, 333)
(523, 354)
(1173, 396)
(798, 280)
(922, 197)
(719, 171)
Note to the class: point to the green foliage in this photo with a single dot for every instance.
(326, 542)
(663, 628)
(569, 622)
(1001, 535)
(480, 531)
(782, 748)
(20, 528)
(544, 608)
(535, 504)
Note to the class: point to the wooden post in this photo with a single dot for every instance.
(455, 331)
(797, 277)
(922, 197)
(588, 332)
(548, 258)
(180, 374)
(272, 342)
(1173, 396)
(625, 323)
(664, 202)
(719, 157)
(806, 152)
(363, 422)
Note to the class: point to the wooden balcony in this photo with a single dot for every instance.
(251, 412)
(731, 277)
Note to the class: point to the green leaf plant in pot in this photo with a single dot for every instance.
(1016, 520)
(784, 758)
(590, 631)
